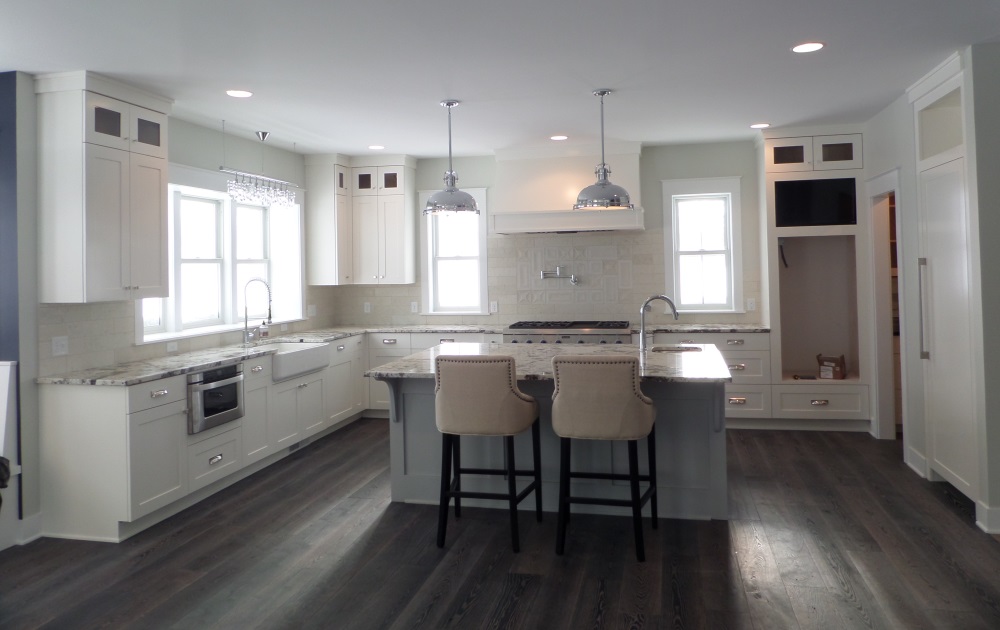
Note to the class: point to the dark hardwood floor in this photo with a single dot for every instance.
(827, 530)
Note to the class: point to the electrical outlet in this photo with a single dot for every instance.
(171, 346)
(368, 307)
(284, 328)
(311, 310)
(60, 346)
(751, 304)
(413, 307)
(494, 307)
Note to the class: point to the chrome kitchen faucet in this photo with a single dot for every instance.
(642, 319)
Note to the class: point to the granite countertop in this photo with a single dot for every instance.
(701, 364)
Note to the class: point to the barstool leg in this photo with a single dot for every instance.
(651, 447)
(564, 445)
(456, 449)
(537, 456)
(445, 487)
(512, 491)
(633, 473)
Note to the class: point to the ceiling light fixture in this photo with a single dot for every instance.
(603, 194)
(558, 138)
(760, 125)
(239, 93)
(451, 199)
(250, 188)
(376, 147)
(807, 47)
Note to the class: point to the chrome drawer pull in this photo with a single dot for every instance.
(446, 341)
(738, 366)
(257, 368)
(734, 342)
(737, 401)
(819, 403)
(212, 461)
(340, 348)
(687, 341)
(158, 393)
(389, 342)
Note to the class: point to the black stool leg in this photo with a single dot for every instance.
(633, 473)
(456, 449)
(651, 447)
(445, 487)
(512, 491)
(564, 446)
(536, 452)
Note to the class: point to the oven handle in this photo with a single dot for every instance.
(204, 387)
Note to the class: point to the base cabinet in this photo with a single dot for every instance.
(256, 406)
(297, 409)
(344, 379)
(157, 456)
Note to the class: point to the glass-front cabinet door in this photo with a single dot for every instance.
(119, 125)
(148, 132)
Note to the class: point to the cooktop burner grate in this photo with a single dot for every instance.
(551, 325)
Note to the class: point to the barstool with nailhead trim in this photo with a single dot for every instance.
(478, 395)
(598, 398)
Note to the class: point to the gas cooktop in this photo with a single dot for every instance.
(609, 325)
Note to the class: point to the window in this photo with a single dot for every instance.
(216, 248)
(454, 262)
(701, 219)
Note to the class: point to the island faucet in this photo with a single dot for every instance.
(247, 334)
(642, 319)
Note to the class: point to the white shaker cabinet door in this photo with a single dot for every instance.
(148, 227)
(106, 236)
(946, 339)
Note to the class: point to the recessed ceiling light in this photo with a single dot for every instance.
(558, 137)
(807, 47)
(376, 147)
(760, 125)
(239, 93)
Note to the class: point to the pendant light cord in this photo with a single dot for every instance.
(602, 93)
(450, 167)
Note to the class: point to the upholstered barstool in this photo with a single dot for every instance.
(598, 398)
(478, 395)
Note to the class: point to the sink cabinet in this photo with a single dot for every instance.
(297, 409)
(345, 379)
(102, 190)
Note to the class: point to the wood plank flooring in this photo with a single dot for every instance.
(827, 530)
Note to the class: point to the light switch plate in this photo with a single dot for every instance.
(494, 307)
(171, 346)
(751, 304)
(368, 307)
(311, 310)
(60, 346)
(413, 307)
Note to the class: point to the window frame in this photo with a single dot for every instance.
(428, 266)
(728, 187)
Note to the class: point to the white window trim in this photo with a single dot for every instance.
(426, 266)
(705, 186)
(188, 178)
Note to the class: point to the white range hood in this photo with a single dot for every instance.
(535, 190)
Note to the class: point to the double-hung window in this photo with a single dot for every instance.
(454, 260)
(217, 247)
(702, 242)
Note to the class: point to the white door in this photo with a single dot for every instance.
(949, 391)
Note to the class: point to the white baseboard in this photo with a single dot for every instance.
(988, 518)
(916, 461)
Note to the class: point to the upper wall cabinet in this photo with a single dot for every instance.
(812, 153)
(102, 190)
(329, 224)
(383, 215)
(378, 180)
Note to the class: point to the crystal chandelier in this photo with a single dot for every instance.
(253, 189)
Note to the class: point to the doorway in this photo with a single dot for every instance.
(887, 381)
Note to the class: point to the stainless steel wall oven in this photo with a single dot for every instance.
(215, 397)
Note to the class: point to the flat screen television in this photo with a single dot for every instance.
(804, 202)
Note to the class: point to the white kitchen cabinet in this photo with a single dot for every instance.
(834, 401)
(424, 340)
(214, 457)
(102, 190)
(344, 378)
(256, 404)
(383, 211)
(383, 348)
(813, 153)
(157, 456)
(297, 409)
(329, 222)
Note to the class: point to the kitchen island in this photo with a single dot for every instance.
(686, 383)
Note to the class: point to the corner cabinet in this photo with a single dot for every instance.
(384, 223)
(329, 221)
(102, 190)
(818, 277)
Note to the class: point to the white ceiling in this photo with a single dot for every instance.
(332, 76)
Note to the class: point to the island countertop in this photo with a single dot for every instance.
(682, 363)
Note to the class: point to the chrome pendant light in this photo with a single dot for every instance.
(451, 199)
(603, 195)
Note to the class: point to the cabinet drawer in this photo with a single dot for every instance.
(346, 347)
(849, 402)
(723, 341)
(749, 366)
(388, 340)
(258, 369)
(214, 458)
(748, 401)
(422, 341)
(156, 393)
